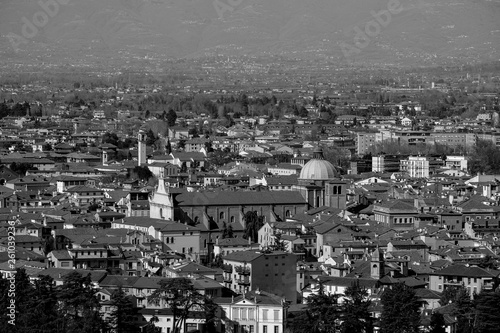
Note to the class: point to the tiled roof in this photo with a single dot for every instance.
(466, 271)
(223, 198)
(62, 255)
(243, 256)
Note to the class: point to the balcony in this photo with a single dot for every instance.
(243, 281)
(242, 270)
(227, 279)
(227, 268)
(453, 282)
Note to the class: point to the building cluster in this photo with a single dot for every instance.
(258, 237)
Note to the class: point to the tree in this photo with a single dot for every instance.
(143, 172)
(21, 168)
(253, 222)
(227, 232)
(168, 147)
(47, 243)
(181, 144)
(485, 158)
(356, 316)
(46, 147)
(171, 117)
(322, 315)
(79, 306)
(110, 138)
(151, 327)
(23, 297)
(464, 309)
(487, 318)
(150, 137)
(181, 297)
(303, 112)
(400, 312)
(44, 305)
(279, 244)
(438, 324)
(122, 317)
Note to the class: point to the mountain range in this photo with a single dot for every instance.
(340, 32)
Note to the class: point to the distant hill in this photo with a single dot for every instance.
(418, 33)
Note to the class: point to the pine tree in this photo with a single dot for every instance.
(4, 306)
(79, 306)
(356, 316)
(487, 317)
(171, 117)
(44, 305)
(122, 318)
(253, 222)
(23, 297)
(464, 310)
(400, 312)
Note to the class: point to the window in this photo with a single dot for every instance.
(264, 314)
(264, 329)
(232, 219)
(251, 316)
(251, 329)
(221, 215)
(276, 329)
(235, 313)
(276, 315)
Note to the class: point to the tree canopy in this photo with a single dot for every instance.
(400, 312)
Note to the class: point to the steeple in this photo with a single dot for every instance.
(377, 264)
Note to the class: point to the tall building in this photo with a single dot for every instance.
(141, 142)
(274, 272)
(364, 142)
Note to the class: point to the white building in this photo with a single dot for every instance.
(456, 162)
(254, 312)
(416, 166)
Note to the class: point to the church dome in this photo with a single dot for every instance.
(318, 168)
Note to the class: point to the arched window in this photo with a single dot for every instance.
(339, 190)
(196, 219)
(221, 215)
(287, 213)
(232, 219)
(334, 189)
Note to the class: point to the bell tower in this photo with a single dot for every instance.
(377, 264)
(141, 142)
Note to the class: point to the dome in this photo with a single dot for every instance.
(318, 168)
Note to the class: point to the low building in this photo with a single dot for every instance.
(254, 312)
